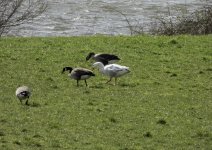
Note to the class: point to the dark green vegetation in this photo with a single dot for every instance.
(164, 103)
(198, 22)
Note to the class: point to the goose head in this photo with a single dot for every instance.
(67, 69)
(90, 55)
(98, 65)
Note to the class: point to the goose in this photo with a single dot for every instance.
(78, 74)
(104, 58)
(23, 93)
(111, 70)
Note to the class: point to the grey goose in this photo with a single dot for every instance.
(102, 57)
(23, 93)
(78, 74)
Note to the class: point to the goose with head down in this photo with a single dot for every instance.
(78, 74)
(112, 70)
(102, 57)
(23, 93)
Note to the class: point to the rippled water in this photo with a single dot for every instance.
(88, 17)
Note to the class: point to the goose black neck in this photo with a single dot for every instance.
(67, 69)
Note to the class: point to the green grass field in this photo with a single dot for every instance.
(164, 103)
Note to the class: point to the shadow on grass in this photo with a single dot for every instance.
(99, 86)
(128, 84)
(161, 121)
(33, 104)
(147, 134)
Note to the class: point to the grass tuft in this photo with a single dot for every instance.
(161, 121)
(148, 135)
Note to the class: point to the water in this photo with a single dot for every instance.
(89, 17)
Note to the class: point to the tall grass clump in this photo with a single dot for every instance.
(198, 22)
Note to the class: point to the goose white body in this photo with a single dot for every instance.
(115, 70)
(112, 70)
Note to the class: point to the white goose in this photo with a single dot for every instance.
(112, 70)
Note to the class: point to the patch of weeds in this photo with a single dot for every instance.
(99, 110)
(3, 141)
(54, 126)
(54, 86)
(90, 103)
(180, 88)
(179, 46)
(3, 120)
(37, 59)
(129, 84)
(86, 91)
(173, 41)
(37, 145)
(167, 72)
(113, 120)
(24, 130)
(2, 133)
(37, 136)
(56, 144)
(86, 143)
(209, 69)
(97, 87)
(13, 58)
(156, 83)
(17, 142)
(35, 104)
(34, 144)
(126, 148)
(147, 134)
(42, 70)
(161, 121)
(204, 58)
(173, 75)
(156, 53)
(161, 44)
(201, 72)
(202, 135)
(50, 79)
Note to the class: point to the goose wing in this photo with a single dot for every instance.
(83, 71)
(102, 60)
(116, 70)
(108, 57)
(113, 68)
(116, 67)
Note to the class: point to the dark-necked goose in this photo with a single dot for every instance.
(112, 70)
(78, 74)
(104, 58)
(23, 93)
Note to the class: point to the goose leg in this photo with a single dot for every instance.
(20, 101)
(115, 81)
(86, 83)
(109, 80)
(27, 102)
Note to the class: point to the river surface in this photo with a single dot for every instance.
(90, 17)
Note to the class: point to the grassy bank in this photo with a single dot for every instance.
(164, 103)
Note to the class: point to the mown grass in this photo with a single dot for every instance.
(164, 103)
